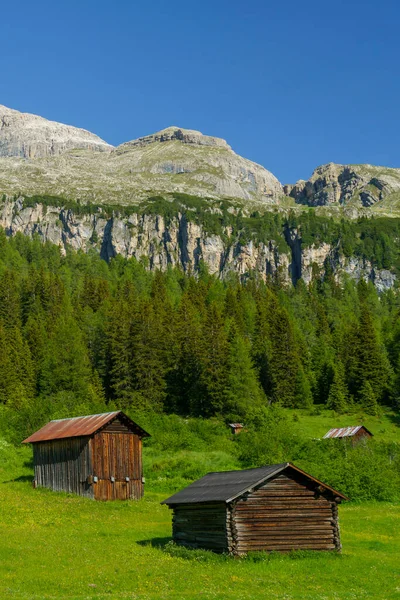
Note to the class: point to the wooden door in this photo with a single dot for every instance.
(117, 464)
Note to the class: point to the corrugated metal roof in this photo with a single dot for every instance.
(79, 426)
(341, 432)
(225, 486)
(236, 425)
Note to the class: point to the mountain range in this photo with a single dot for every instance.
(41, 157)
(181, 198)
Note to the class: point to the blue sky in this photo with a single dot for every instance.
(289, 84)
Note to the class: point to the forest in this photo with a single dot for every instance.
(78, 335)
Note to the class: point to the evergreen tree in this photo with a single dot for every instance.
(367, 399)
(372, 364)
(338, 393)
(149, 367)
(214, 363)
(244, 391)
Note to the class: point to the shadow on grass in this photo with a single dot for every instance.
(21, 478)
(395, 419)
(159, 543)
(201, 555)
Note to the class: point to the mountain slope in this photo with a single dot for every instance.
(43, 157)
(31, 136)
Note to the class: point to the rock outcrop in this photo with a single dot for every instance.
(31, 136)
(170, 134)
(182, 242)
(332, 184)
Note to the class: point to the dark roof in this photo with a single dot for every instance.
(81, 426)
(226, 486)
(342, 432)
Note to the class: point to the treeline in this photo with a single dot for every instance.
(79, 335)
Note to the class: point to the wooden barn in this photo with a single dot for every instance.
(276, 507)
(355, 434)
(98, 456)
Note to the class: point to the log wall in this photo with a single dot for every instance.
(63, 465)
(202, 525)
(285, 514)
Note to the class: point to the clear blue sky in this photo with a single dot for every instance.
(289, 84)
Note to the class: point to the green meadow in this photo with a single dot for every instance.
(55, 545)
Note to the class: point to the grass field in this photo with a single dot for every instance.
(55, 545)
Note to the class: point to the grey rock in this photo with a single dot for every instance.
(31, 136)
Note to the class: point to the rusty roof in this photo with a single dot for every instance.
(342, 432)
(236, 425)
(81, 426)
(226, 486)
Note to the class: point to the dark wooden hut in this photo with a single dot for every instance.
(355, 434)
(98, 456)
(276, 507)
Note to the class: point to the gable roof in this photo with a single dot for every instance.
(81, 426)
(226, 486)
(341, 432)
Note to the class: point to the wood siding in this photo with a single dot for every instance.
(117, 455)
(202, 526)
(63, 465)
(286, 513)
(117, 426)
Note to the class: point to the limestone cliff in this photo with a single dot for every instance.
(179, 241)
(30, 136)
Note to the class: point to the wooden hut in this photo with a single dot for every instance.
(98, 456)
(355, 434)
(276, 507)
(236, 428)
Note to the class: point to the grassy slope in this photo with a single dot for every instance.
(385, 427)
(59, 546)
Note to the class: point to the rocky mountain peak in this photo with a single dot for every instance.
(172, 134)
(30, 136)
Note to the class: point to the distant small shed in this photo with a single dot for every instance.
(98, 456)
(355, 433)
(236, 427)
(276, 507)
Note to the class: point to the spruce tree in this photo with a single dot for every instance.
(338, 393)
(367, 399)
(214, 363)
(244, 391)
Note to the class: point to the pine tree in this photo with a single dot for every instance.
(372, 363)
(284, 360)
(367, 399)
(149, 367)
(214, 363)
(186, 391)
(244, 391)
(338, 393)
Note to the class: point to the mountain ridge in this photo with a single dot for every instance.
(42, 157)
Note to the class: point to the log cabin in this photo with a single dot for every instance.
(272, 508)
(97, 456)
(355, 434)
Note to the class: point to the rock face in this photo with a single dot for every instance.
(40, 157)
(331, 184)
(182, 242)
(30, 136)
(186, 136)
